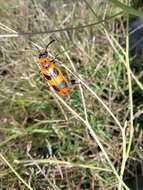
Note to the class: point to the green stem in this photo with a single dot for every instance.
(129, 10)
(15, 172)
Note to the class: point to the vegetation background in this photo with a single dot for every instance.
(82, 141)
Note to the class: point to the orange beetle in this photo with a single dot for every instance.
(52, 73)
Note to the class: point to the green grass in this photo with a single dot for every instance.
(81, 141)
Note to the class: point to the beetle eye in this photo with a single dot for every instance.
(42, 55)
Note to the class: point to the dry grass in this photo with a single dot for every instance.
(80, 141)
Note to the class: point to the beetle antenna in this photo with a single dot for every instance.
(49, 44)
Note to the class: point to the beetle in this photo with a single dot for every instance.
(52, 73)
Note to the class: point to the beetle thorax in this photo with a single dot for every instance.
(44, 62)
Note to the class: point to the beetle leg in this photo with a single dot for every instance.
(53, 61)
(73, 82)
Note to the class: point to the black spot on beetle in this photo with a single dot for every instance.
(48, 77)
